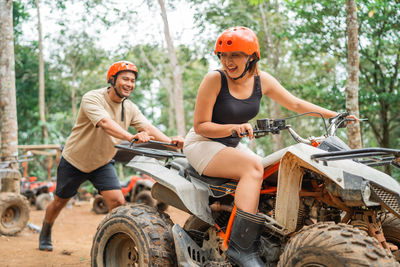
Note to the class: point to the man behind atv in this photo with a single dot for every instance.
(103, 120)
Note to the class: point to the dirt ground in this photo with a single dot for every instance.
(72, 237)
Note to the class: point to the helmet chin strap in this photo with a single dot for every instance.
(116, 92)
(113, 81)
(248, 65)
(120, 96)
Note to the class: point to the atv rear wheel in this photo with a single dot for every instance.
(14, 213)
(334, 245)
(42, 201)
(134, 235)
(100, 205)
(145, 198)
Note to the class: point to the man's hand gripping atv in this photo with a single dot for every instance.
(321, 204)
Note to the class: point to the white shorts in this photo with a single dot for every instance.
(200, 150)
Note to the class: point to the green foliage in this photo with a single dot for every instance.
(310, 35)
(19, 16)
(319, 37)
(150, 93)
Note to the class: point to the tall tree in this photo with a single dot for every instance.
(166, 83)
(380, 69)
(8, 108)
(176, 74)
(353, 130)
(42, 106)
(79, 57)
(273, 56)
(320, 46)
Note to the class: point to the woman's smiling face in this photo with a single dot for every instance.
(234, 63)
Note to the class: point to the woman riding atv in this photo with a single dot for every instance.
(227, 99)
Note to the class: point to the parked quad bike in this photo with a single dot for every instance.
(14, 208)
(135, 190)
(323, 203)
(38, 193)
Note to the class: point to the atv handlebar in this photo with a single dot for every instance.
(153, 142)
(275, 126)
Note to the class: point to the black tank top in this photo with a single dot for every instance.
(230, 110)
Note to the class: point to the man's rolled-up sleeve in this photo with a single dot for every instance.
(93, 109)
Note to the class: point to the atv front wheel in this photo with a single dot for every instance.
(334, 245)
(100, 205)
(14, 213)
(134, 235)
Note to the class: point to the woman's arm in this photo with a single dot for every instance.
(274, 90)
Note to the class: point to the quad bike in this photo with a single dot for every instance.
(136, 189)
(14, 207)
(323, 203)
(38, 193)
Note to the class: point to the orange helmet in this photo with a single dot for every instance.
(121, 66)
(238, 39)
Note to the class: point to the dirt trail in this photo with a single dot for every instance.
(72, 238)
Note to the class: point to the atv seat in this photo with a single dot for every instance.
(187, 171)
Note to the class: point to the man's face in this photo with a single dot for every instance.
(125, 83)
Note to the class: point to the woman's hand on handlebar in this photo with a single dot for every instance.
(243, 129)
(352, 119)
(178, 141)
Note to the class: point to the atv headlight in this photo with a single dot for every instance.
(366, 195)
(356, 191)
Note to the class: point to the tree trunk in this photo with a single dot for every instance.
(273, 56)
(8, 103)
(353, 130)
(73, 96)
(176, 74)
(167, 85)
(41, 77)
(171, 110)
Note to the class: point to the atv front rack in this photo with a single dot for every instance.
(158, 153)
(368, 156)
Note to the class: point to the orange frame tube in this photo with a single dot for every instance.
(267, 172)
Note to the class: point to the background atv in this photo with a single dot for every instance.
(323, 204)
(14, 208)
(136, 189)
(38, 193)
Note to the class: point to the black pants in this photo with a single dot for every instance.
(70, 178)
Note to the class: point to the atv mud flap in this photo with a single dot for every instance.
(188, 253)
(194, 197)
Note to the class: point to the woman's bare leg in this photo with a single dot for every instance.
(235, 164)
